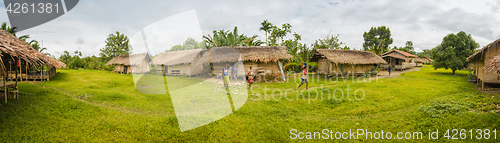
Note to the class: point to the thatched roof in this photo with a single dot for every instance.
(395, 56)
(347, 56)
(247, 53)
(419, 60)
(475, 55)
(176, 57)
(408, 55)
(429, 59)
(125, 59)
(493, 65)
(15, 47)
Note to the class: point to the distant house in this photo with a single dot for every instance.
(137, 63)
(264, 59)
(419, 62)
(178, 62)
(399, 60)
(426, 60)
(484, 63)
(333, 62)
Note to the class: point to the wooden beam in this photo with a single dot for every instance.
(17, 78)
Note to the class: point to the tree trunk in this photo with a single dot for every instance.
(453, 72)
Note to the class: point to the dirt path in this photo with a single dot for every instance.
(385, 73)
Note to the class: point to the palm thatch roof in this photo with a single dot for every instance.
(347, 56)
(485, 48)
(263, 54)
(493, 65)
(176, 57)
(128, 60)
(419, 60)
(427, 58)
(15, 47)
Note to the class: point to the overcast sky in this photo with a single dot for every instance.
(425, 22)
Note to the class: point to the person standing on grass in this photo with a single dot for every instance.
(225, 76)
(304, 77)
(389, 69)
(235, 73)
(250, 77)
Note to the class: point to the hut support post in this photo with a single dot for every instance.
(26, 70)
(4, 85)
(163, 69)
(17, 78)
(41, 73)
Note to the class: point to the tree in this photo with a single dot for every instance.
(453, 51)
(118, 44)
(65, 57)
(189, 44)
(11, 30)
(266, 27)
(377, 40)
(425, 53)
(329, 42)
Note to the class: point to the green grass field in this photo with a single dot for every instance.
(99, 106)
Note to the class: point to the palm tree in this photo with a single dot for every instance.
(266, 27)
(11, 30)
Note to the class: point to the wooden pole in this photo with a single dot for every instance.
(17, 78)
(41, 73)
(163, 69)
(4, 85)
(27, 66)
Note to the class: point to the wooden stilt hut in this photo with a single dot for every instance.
(12, 52)
(484, 64)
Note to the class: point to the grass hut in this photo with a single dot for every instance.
(419, 62)
(264, 59)
(137, 63)
(178, 62)
(484, 61)
(15, 52)
(399, 60)
(333, 61)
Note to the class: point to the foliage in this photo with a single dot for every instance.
(277, 34)
(78, 62)
(453, 51)
(227, 38)
(266, 27)
(408, 48)
(377, 40)
(116, 44)
(329, 42)
(189, 44)
(425, 53)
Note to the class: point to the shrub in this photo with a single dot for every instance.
(439, 108)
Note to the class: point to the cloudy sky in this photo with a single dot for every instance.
(166, 23)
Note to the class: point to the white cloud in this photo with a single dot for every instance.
(425, 22)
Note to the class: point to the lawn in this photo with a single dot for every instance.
(99, 106)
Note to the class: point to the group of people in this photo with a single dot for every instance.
(251, 77)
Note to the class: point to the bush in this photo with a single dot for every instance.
(438, 108)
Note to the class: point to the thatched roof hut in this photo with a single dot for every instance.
(347, 56)
(11, 45)
(129, 59)
(265, 59)
(399, 60)
(179, 62)
(334, 61)
(176, 57)
(137, 63)
(263, 54)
